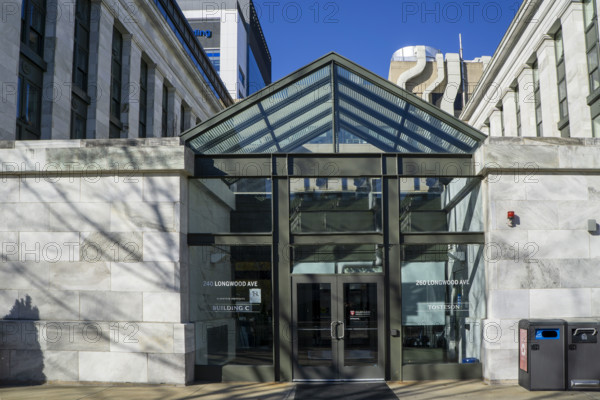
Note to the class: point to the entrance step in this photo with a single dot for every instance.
(345, 391)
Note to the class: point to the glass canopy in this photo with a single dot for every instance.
(333, 106)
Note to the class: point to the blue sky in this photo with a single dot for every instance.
(368, 32)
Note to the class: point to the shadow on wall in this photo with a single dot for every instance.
(21, 357)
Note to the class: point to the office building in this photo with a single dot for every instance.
(446, 81)
(332, 227)
(99, 70)
(537, 101)
(231, 34)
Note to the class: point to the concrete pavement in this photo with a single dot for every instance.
(277, 391)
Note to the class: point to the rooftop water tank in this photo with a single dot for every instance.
(409, 53)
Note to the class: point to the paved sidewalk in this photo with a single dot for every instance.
(277, 391)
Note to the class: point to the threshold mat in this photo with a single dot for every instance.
(345, 391)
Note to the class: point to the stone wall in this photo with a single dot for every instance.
(546, 265)
(94, 262)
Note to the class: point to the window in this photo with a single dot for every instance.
(31, 70)
(215, 59)
(33, 17)
(182, 118)
(251, 201)
(502, 124)
(538, 100)
(443, 303)
(81, 48)
(81, 51)
(255, 78)
(596, 126)
(115, 87)
(562, 83)
(29, 102)
(518, 105)
(337, 259)
(165, 111)
(232, 308)
(440, 204)
(348, 204)
(591, 41)
(143, 99)
(242, 77)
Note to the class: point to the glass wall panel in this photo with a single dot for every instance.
(443, 303)
(440, 205)
(231, 304)
(335, 205)
(337, 259)
(360, 327)
(255, 78)
(314, 324)
(230, 205)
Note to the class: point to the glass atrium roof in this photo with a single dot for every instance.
(333, 105)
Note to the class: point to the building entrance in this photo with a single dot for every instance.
(338, 328)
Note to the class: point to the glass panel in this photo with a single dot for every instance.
(596, 126)
(588, 11)
(231, 304)
(562, 89)
(255, 78)
(360, 324)
(595, 79)
(34, 100)
(78, 118)
(230, 205)
(440, 205)
(558, 45)
(299, 117)
(286, 116)
(335, 205)
(114, 132)
(590, 37)
(593, 59)
(337, 259)
(564, 108)
(443, 303)
(388, 122)
(314, 324)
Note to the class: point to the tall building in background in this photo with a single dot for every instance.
(438, 79)
(232, 37)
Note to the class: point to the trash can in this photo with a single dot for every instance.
(542, 364)
(583, 354)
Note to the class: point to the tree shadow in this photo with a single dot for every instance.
(21, 357)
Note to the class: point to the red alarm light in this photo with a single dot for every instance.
(511, 214)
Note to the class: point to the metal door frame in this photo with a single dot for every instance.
(337, 371)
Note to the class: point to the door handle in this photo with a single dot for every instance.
(333, 330)
(340, 323)
(591, 331)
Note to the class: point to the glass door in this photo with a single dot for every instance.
(338, 328)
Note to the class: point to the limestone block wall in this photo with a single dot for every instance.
(547, 265)
(92, 262)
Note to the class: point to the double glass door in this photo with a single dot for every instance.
(338, 327)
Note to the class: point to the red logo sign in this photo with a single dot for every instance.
(523, 349)
(352, 313)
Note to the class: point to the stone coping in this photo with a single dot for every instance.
(120, 156)
(144, 142)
